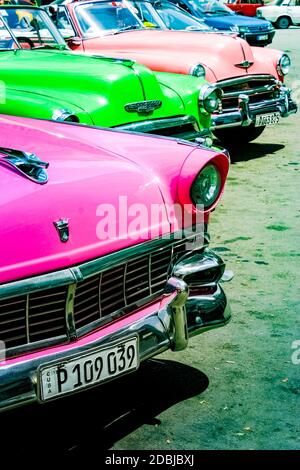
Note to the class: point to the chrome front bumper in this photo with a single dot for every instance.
(181, 127)
(165, 325)
(246, 113)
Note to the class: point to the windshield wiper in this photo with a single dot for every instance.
(128, 28)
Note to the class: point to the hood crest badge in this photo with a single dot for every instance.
(244, 65)
(62, 227)
(143, 107)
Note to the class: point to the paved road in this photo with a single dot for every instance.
(234, 388)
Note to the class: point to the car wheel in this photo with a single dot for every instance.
(238, 135)
(283, 22)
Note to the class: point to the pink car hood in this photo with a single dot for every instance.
(83, 173)
(161, 51)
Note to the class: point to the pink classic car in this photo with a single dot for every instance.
(250, 77)
(92, 279)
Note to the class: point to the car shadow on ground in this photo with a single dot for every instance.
(252, 151)
(94, 420)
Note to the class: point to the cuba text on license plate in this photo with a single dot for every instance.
(88, 369)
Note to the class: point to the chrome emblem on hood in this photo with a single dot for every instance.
(143, 107)
(25, 163)
(244, 65)
(62, 226)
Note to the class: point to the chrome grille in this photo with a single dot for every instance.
(33, 317)
(260, 29)
(121, 290)
(40, 318)
(258, 88)
(46, 314)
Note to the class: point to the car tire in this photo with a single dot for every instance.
(238, 135)
(283, 22)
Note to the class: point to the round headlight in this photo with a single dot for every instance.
(198, 71)
(235, 28)
(210, 98)
(243, 29)
(206, 186)
(283, 65)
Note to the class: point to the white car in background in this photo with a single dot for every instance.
(282, 13)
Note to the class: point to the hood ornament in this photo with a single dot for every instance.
(244, 65)
(62, 226)
(143, 107)
(28, 164)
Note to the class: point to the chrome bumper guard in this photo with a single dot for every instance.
(246, 113)
(183, 316)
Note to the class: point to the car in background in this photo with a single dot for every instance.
(244, 7)
(257, 32)
(281, 13)
(45, 80)
(82, 307)
(163, 14)
(251, 78)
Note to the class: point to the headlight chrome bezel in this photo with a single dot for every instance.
(198, 70)
(205, 175)
(283, 69)
(204, 95)
(64, 115)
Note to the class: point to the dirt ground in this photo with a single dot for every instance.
(237, 387)
(233, 388)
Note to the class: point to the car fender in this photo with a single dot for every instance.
(40, 106)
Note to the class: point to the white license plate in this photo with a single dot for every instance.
(88, 369)
(263, 37)
(267, 119)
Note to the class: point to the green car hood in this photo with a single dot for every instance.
(96, 89)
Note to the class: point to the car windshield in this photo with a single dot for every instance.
(106, 18)
(166, 15)
(213, 7)
(7, 41)
(32, 28)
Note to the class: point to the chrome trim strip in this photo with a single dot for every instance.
(27, 319)
(70, 320)
(157, 124)
(33, 284)
(245, 79)
(251, 91)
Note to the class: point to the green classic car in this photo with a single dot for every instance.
(41, 78)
